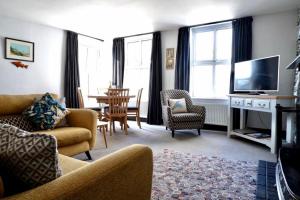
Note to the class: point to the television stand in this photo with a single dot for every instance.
(256, 93)
(260, 103)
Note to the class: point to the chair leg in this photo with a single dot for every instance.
(125, 125)
(88, 155)
(166, 128)
(104, 135)
(138, 119)
(114, 126)
(173, 133)
(199, 132)
(110, 128)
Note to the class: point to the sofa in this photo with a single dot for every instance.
(80, 134)
(125, 174)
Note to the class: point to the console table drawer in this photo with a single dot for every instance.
(261, 104)
(237, 102)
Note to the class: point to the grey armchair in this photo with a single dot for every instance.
(193, 119)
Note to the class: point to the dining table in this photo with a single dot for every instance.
(104, 98)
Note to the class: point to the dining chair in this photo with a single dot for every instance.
(100, 125)
(118, 105)
(135, 110)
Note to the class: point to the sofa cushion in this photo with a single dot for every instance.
(69, 135)
(17, 120)
(46, 113)
(26, 160)
(186, 117)
(69, 164)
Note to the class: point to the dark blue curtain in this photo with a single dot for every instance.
(118, 62)
(182, 69)
(241, 44)
(241, 51)
(154, 115)
(72, 71)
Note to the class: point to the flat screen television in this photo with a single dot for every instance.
(259, 75)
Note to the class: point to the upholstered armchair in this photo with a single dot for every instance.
(192, 119)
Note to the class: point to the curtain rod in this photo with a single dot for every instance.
(210, 23)
(137, 35)
(91, 37)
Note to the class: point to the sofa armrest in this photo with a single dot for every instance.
(167, 115)
(198, 109)
(84, 118)
(125, 174)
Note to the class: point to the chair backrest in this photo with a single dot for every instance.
(118, 102)
(80, 98)
(138, 98)
(165, 95)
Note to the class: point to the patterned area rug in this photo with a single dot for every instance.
(196, 177)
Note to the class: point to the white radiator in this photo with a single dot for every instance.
(215, 114)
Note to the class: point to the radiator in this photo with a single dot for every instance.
(215, 114)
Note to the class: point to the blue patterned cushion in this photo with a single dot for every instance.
(45, 113)
(178, 105)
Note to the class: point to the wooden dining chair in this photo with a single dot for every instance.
(100, 125)
(135, 110)
(118, 105)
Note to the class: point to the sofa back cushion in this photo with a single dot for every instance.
(16, 104)
(17, 120)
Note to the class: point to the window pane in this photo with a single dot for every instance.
(204, 45)
(133, 53)
(223, 44)
(222, 80)
(146, 52)
(202, 81)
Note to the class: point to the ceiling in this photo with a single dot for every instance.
(112, 18)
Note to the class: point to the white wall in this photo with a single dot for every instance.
(45, 74)
(275, 34)
(168, 40)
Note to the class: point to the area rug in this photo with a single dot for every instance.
(196, 177)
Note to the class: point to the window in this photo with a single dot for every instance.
(210, 60)
(137, 67)
(91, 69)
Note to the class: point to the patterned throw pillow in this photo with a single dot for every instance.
(178, 105)
(17, 120)
(46, 113)
(27, 160)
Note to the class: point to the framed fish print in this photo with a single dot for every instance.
(19, 50)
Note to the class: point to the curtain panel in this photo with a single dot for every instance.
(241, 51)
(72, 81)
(182, 68)
(154, 115)
(118, 62)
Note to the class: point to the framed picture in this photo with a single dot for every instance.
(19, 50)
(170, 58)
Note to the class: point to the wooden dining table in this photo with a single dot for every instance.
(104, 98)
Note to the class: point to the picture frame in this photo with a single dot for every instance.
(19, 50)
(170, 58)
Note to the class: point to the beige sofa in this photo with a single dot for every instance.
(123, 175)
(78, 137)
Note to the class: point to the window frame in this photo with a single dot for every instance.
(214, 61)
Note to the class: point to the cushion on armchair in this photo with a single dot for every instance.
(187, 117)
(178, 105)
(19, 121)
(27, 160)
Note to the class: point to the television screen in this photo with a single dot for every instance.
(257, 75)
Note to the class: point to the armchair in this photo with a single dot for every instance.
(193, 119)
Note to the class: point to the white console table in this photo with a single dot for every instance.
(261, 103)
